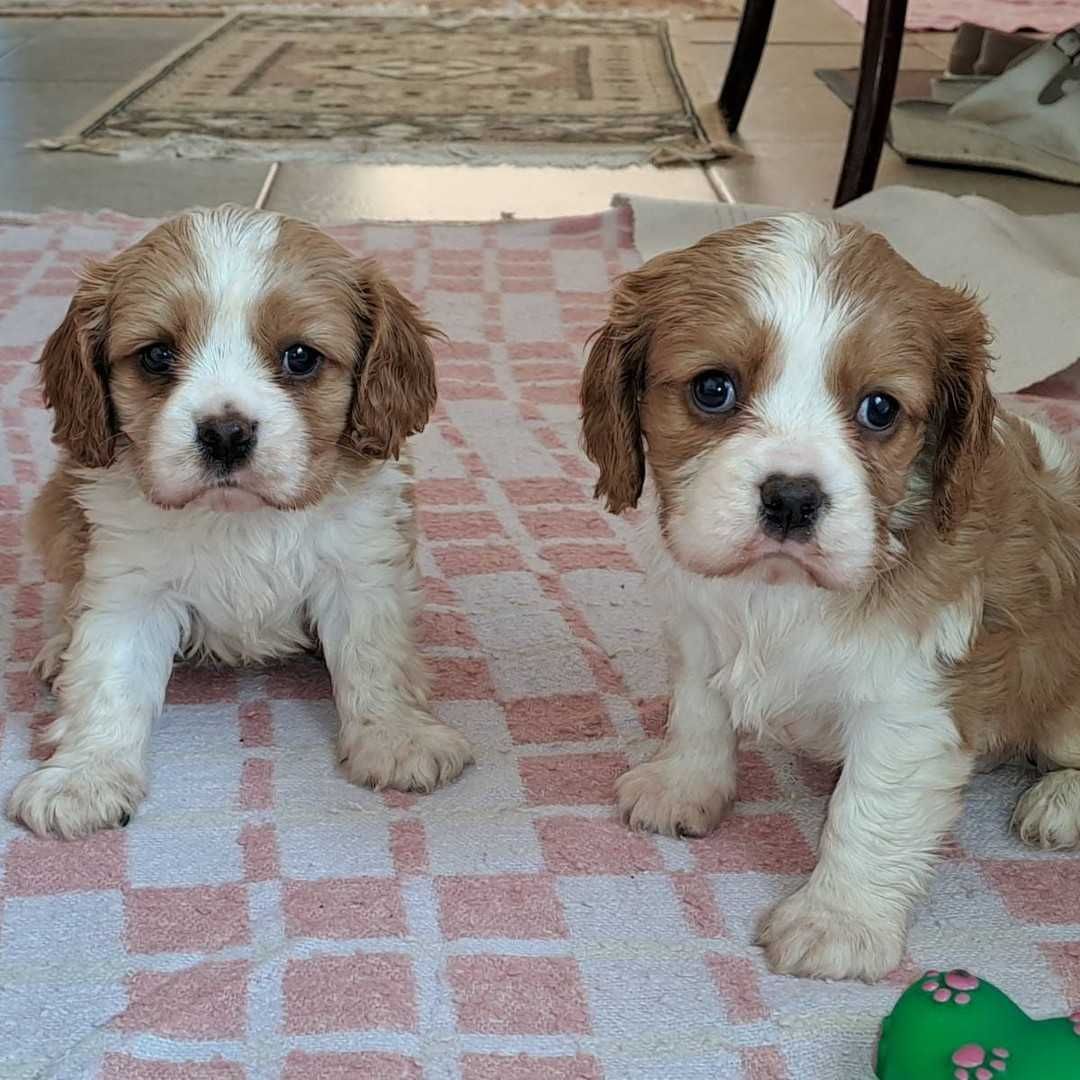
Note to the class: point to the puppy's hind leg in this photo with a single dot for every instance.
(46, 664)
(58, 530)
(1048, 813)
(50, 657)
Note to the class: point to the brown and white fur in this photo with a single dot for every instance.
(304, 536)
(928, 612)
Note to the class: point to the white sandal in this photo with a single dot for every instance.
(1025, 120)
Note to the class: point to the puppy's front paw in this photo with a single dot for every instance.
(810, 936)
(1048, 813)
(666, 795)
(410, 753)
(77, 798)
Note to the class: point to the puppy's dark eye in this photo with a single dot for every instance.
(300, 361)
(713, 392)
(157, 359)
(877, 412)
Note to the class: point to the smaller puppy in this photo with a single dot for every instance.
(231, 395)
(858, 554)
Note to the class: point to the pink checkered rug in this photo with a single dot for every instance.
(261, 918)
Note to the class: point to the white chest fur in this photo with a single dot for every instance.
(242, 579)
(790, 661)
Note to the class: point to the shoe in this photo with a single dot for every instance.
(1026, 120)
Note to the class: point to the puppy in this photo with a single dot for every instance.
(231, 395)
(859, 556)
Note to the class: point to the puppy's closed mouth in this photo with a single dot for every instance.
(225, 495)
(777, 564)
(784, 568)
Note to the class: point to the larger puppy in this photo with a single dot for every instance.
(860, 557)
(231, 395)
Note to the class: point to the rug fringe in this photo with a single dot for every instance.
(673, 153)
(360, 152)
(686, 151)
(676, 152)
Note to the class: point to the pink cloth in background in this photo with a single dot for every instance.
(262, 918)
(1049, 16)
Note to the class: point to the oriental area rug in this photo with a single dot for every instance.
(424, 90)
(710, 9)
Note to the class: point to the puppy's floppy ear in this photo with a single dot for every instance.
(74, 373)
(395, 377)
(963, 418)
(610, 392)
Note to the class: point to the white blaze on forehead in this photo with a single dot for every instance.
(233, 257)
(792, 293)
(233, 246)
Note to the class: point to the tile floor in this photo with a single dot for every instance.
(52, 71)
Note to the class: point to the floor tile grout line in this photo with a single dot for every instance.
(716, 182)
(267, 185)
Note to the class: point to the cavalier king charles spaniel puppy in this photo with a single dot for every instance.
(231, 396)
(858, 554)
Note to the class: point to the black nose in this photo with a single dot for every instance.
(226, 441)
(790, 505)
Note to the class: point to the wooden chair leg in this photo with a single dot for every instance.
(882, 39)
(745, 57)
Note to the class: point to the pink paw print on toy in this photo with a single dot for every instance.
(971, 1062)
(958, 986)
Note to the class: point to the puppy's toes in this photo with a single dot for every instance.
(411, 753)
(46, 665)
(77, 798)
(809, 936)
(1048, 813)
(668, 796)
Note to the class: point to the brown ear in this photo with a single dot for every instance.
(395, 387)
(610, 390)
(74, 374)
(963, 421)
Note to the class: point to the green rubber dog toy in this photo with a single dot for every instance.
(954, 1026)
